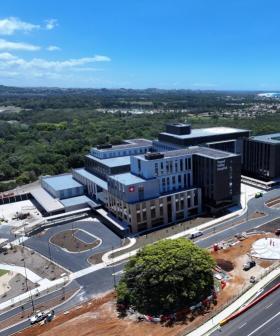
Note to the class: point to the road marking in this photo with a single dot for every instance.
(265, 323)
(268, 306)
(117, 273)
(242, 325)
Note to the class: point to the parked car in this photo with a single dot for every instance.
(277, 232)
(196, 234)
(258, 194)
(249, 264)
(252, 279)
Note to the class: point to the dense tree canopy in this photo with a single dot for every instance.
(51, 130)
(166, 276)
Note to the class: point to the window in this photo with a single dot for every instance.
(139, 165)
(156, 169)
(153, 213)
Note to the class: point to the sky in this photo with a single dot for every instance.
(169, 44)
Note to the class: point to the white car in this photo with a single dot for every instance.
(39, 316)
(196, 234)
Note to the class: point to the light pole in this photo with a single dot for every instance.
(26, 283)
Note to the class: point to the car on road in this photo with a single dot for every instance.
(258, 194)
(40, 316)
(196, 234)
(249, 264)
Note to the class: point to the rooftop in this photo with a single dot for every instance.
(127, 178)
(112, 162)
(204, 151)
(273, 138)
(49, 203)
(75, 201)
(204, 132)
(61, 182)
(128, 144)
(101, 183)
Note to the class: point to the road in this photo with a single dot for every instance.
(261, 320)
(103, 280)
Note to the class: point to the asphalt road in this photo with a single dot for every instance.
(103, 280)
(74, 261)
(261, 320)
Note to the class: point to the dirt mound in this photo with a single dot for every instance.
(225, 265)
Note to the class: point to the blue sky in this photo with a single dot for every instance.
(195, 44)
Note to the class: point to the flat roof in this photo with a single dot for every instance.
(273, 138)
(76, 200)
(112, 162)
(49, 203)
(61, 182)
(127, 178)
(127, 144)
(204, 151)
(101, 183)
(204, 132)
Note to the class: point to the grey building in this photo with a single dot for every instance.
(261, 157)
(223, 138)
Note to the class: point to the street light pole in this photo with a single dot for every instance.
(26, 282)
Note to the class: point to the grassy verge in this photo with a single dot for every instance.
(2, 272)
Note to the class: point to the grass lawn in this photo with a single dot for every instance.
(2, 272)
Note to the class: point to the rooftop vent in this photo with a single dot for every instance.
(153, 156)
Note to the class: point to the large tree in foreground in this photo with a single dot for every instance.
(166, 276)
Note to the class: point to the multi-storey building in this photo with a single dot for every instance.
(157, 191)
(261, 156)
(145, 184)
(182, 135)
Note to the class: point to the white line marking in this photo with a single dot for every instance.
(265, 323)
(117, 273)
(242, 325)
(268, 306)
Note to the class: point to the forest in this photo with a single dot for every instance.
(55, 129)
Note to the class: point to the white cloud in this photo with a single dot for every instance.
(8, 45)
(53, 48)
(10, 25)
(7, 56)
(9, 62)
(51, 24)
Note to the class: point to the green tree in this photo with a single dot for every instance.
(166, 276)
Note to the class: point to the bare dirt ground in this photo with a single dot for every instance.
(236, 256)
(68, 240)
(99, 318)
(33, 261)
